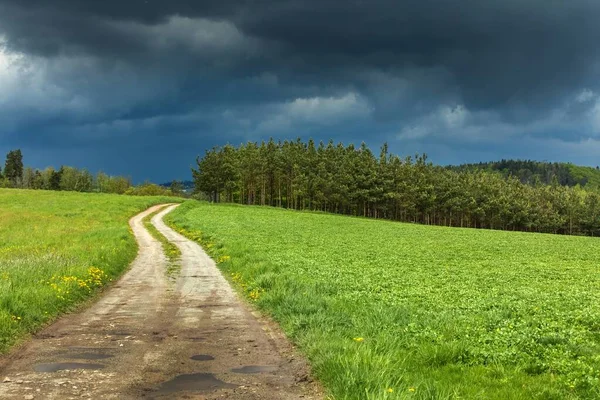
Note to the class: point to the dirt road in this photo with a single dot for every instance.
(151, 338)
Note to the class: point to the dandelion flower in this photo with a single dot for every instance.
(358, 339)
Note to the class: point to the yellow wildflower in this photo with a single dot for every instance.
(223, 259)
(254, 294)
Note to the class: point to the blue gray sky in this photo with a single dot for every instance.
(141, 87)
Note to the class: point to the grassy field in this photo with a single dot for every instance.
(57, 249)
(386, 310)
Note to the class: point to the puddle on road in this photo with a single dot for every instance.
(55, 367)
(195, 339)
(194, 383)
(89, 356)
(202, 357)
(254, 369)
(90, 349)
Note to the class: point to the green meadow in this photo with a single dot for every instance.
(387, 310)
(58, 249)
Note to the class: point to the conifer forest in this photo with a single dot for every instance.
(353, 180)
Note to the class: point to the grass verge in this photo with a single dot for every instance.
(56, 250)
(386, 310)
(171, 251)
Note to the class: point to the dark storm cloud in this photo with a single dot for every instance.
(415, 71)
(497, 52)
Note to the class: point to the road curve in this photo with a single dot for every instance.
(147, 337)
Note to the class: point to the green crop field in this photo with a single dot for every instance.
(57, 249)
(386, 310)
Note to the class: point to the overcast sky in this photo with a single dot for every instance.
(141, 87)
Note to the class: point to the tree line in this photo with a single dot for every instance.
(352, 180)
(66, 178)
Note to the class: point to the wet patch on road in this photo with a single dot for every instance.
(80, 349)
(44, 335)
(202, 357)
(201, 382)
(89, 356)
(254, 369)
(195, 339)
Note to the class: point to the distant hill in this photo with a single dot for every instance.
(188, 186)
(532, 172)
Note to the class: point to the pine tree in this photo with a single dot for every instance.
(13, 168)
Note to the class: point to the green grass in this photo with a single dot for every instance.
(171, 251)
(56, 250)
(386, 310)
